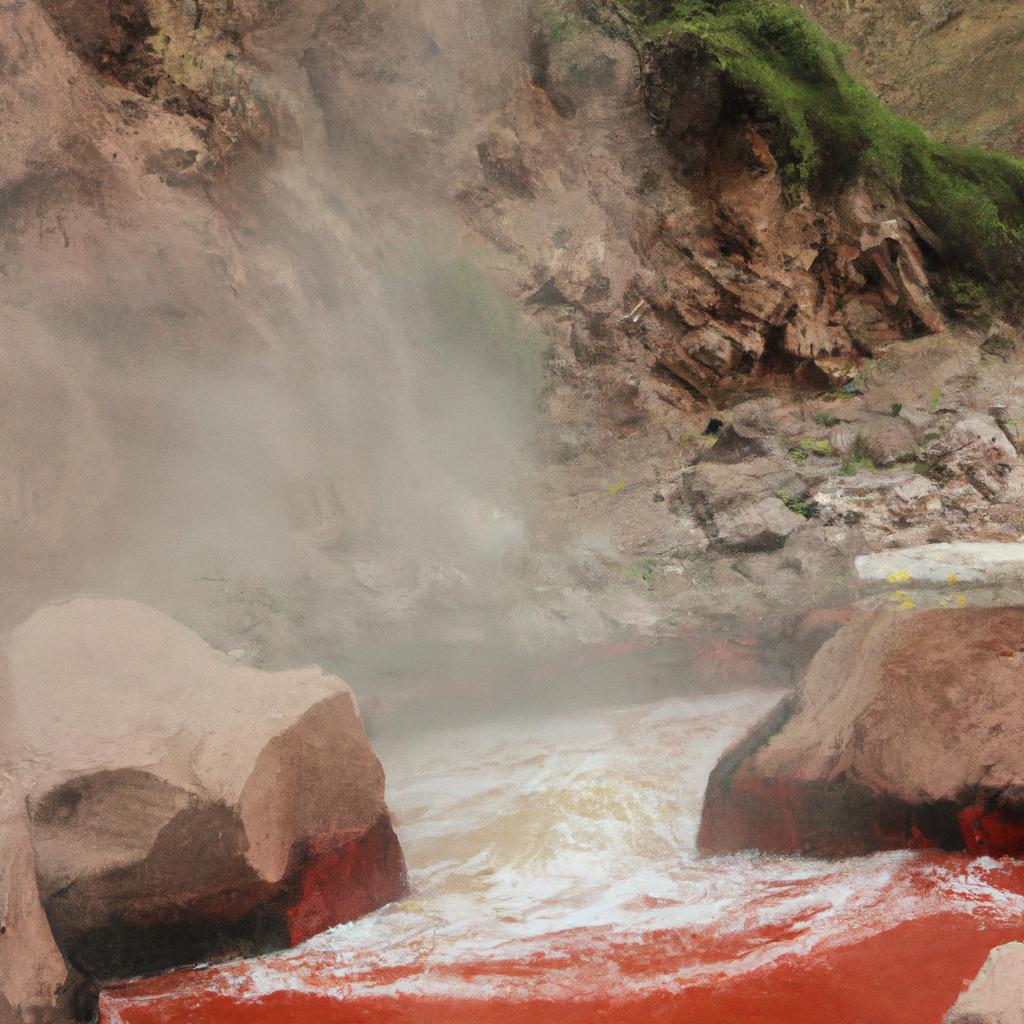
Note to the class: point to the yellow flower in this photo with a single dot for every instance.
(900, 577)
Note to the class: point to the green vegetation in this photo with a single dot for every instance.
(856, 464)
(853, 388)
(801, 506)
(643, 570)
(967, 298)
(826, 130)
(561, 25)
(798, 456)
(825, 419)
(816, 447)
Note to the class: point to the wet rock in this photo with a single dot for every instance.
(891, 741)
(996, 996)
(183, 807)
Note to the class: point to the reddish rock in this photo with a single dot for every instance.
(183, 807)
(906, 731)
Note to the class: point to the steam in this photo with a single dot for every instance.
(288, 414)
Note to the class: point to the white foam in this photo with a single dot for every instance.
(579, 834)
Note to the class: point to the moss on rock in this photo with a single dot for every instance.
(826, 130)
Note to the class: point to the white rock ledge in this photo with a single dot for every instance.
(945, 564)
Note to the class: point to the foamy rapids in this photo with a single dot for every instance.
(546, 858)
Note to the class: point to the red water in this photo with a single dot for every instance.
(556, 882)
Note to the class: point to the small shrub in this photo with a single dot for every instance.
(801, 506)
(816, 447)
(856, 464)
(643, 570)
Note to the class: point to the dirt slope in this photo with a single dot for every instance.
(952, 65)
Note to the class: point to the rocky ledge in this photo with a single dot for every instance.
(905, 732)
(168, 806)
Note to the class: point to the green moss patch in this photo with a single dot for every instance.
(826, 130)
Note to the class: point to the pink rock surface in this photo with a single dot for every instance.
(183, 807)
(906, 731)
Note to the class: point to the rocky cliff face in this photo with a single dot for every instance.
(287, 285)
(191, 235)
(210, 213)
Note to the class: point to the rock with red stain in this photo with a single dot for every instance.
(996, 996)
(907, 731)
(183, 807)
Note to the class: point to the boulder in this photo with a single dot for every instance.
(736, 504)
(182, 807)
(32, 971)
(996, 996)
(886, 440)
(891, 741)
(879, 503)
(981, 451)
(760, 526)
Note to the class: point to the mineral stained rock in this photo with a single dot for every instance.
(906, 731)
(181, 807)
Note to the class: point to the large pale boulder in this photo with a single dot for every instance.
(183, 807)
(32, 971)
(907, 730)
(996, 996)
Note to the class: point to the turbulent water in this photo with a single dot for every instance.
(553, 863)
